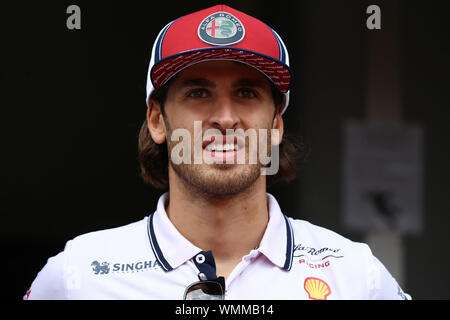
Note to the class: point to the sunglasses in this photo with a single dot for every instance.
(206, 290)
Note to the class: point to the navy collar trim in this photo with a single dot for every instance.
(155, 247)
(290, 245)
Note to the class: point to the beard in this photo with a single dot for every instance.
(217, 179)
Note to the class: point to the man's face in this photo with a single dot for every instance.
(223, 95)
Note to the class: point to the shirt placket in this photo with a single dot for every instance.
(237, 271)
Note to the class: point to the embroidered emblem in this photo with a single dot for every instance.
(221, 29)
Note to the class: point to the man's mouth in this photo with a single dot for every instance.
(222, 147)
(223, 143)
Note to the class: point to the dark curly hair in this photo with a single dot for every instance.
(154, 158)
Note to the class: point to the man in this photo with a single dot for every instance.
(218, 84)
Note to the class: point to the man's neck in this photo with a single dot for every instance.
(229, 226)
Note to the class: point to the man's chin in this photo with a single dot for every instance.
(218, 179)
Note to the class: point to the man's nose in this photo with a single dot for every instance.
(224, 114)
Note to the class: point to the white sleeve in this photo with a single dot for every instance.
(49, 284)
(381, 283)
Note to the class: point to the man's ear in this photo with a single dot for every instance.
(155, 121)
(279, 125)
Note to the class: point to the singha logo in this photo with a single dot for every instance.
(100, 268)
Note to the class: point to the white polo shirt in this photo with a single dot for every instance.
(150, 259)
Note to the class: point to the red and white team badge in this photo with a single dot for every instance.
(221, 29)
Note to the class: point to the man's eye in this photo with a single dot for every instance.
(246, 93)
(198, 93)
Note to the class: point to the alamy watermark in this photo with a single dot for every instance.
(73, 21)
(374, 20)
(213, 147)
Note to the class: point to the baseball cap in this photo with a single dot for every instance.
(219, 33)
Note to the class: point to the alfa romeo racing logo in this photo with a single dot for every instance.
(221, 29)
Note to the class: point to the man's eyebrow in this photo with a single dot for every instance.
(252, 83)
(198, 82)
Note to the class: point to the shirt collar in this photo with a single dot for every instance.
(172, 249)
(277, 243)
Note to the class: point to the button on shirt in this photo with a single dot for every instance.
(151, 259)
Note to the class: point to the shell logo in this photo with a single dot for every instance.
(317, 289)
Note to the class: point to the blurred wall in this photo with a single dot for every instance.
(73, 102)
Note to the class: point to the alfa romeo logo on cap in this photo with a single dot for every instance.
(221, 29)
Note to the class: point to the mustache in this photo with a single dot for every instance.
(236, 146)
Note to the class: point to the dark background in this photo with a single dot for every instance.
(72, 103)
